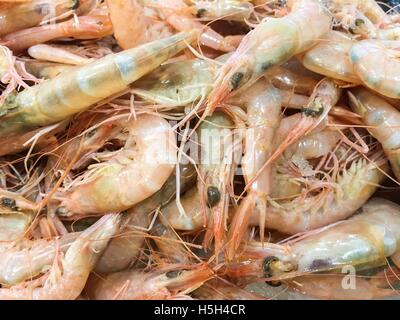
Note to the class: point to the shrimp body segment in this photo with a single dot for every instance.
(363, 241)
(272, 42)
(382, 121)
(76, 90)
(376, 63)
(67, 280)
(136, 172)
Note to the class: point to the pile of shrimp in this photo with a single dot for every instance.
(197, 149)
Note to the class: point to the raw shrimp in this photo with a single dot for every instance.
(232, 10)
(27, 259)
(164, 282)
(382, 121)
(177, 15)
(141, 167)
(331, 57)
(124, 248)
(217, 166)
(376, 284)
(87, 27)
(363, 241)
(264, 114)
(56, 54)
(133, 25)
(68, 275)
(349, 192)
(29, 14)
(376, 64)
(271, 43)
(76, 90)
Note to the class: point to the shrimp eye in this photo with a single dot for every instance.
(75, 5)
(359, 22)
(213, 196)
(200, 13)
(274, 283)
(267, 266)
(10, 203)
(314, 110)
(173, 274)
(236, 79)
(61, 211)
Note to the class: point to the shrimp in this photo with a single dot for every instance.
(363, 241)
(382, 78)
(26, 258)
(88, 27)
(76, 90)
(331, 58)
(271, 43)
(232, 10)
(264, 113)
(144, 29)
(375, 284)
(217, 167)
(177, 15)
(142, 167)
(68, 275)
(124, 248)
(56, 54)
(164, 282)
(30, 14)
(382, 121)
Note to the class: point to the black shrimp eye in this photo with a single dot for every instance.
(213, 196)
(267, 266)
(173, 274)
(274, 283)
(236, 79)
(75, 5)
(200, 13)
(10, 203)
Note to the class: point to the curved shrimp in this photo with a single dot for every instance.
(177, 14)
(383, 55)
(79, 88)
(164, 282)
(142, 167)
(363, 241)
(123, 249)
(382, 121)
(67, 277)
(232, 10)
(144, 29)
(87, 27)
(264, 114)
(27, 259)
(271, 43)
(25, 15)
(331, 58)
(376, 284)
